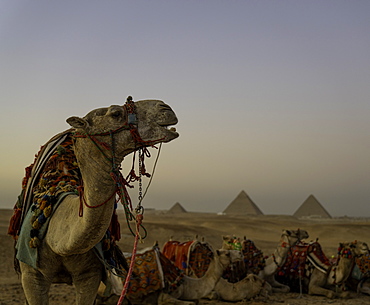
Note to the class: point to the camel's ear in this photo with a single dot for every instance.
(218, 252)
(77, 122)
(288, 232)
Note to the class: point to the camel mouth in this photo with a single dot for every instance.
(167, 120)
(170, 131)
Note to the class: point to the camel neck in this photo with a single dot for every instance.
(95, 170)
(342, 270)
(281, 253)
(215, 270)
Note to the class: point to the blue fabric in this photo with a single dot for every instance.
(25, 253)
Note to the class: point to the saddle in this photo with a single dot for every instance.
(53, 175)
(301, 260)
(192, 257)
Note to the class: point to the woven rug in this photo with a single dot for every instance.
(253, 257)
(147, 275)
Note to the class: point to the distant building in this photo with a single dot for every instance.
(311, 207)
(242, 205)
(177, 208)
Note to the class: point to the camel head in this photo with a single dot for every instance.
(293, 236)
(228, 242)
(359, 248)
(133, 125)
(227, 257)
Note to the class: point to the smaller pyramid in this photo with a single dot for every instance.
(177, 208)
(242, 205)
(311, 207)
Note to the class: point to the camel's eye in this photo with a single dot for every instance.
(116, 114)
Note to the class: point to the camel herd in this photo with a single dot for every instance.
(65, 218)
(294, 263)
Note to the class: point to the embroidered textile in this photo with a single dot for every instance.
(146, 276)
(253, 257)
(193, 257)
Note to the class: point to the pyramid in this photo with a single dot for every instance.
(177, 208)
(311, 207)
(243, 205)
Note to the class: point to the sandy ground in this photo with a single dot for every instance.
(265, 231)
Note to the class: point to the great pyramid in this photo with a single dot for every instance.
(243, 205)
(311, 207)
(177, 208)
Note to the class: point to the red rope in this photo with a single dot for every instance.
(83, 200)
(139, 219)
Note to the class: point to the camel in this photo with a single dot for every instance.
(324, 283)
(277, 259)
(196, 288)
(359, 279)
(189, 288)
(66, 252)
(245, 289)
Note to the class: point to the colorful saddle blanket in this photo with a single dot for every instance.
(152, 272)
(147, 275)
(253, 257)
(53, 175)
(361, 269)
(302, 258)
(193, 257)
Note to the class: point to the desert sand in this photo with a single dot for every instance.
(265, 231)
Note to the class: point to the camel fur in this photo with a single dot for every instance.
(66, 253)
(246, 289)
(277, 259)
(324, 283)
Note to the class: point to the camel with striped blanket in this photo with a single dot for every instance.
(275, 261)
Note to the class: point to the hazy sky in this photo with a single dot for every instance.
(273, 97)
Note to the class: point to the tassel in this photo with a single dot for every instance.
(114, 227)
(34, 242)
(14, 224)
(36, 225)
(43, 204)
(41, 219)
(47, 211)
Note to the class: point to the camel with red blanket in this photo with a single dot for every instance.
(308, 268)
(323, 283)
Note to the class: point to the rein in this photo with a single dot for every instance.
(120, 181)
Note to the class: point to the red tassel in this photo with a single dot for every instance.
(15, 223)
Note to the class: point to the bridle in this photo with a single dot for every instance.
(120, 182)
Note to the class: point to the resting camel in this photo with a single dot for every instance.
(197, 288)
(277, 259)
(324, 283)
(101, 140)
(359, 279)
(190, 288)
